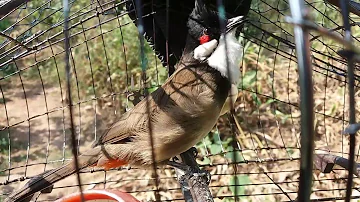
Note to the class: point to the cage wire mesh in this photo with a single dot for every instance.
(263, 165)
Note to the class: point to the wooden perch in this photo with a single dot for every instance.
(195, 188)
(326, 162)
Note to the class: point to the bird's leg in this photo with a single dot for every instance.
(203, 173)
(199, 172)
(194, 151)
(180, 166)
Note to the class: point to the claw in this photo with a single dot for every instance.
(180, 166)
(175, 158)
(190, 171)
(204, 173)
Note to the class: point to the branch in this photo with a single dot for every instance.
(195, 187)
(326, 162)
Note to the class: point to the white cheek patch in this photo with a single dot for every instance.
(203, 51)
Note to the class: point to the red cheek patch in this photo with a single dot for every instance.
(204, 38)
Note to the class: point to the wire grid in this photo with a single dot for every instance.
(106, 74)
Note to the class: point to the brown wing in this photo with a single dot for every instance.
(135, 120)
(122, 130)
(186, 98)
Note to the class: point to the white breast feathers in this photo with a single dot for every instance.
(233, 54)
(217, 59)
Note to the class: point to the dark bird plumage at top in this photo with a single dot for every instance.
(155, 26)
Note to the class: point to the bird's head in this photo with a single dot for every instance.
(204, 25)
(223, 51)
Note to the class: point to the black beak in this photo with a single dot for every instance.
(234, 23)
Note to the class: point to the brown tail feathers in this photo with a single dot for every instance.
(49, 177)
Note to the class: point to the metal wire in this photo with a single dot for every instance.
(69, 94)
(352, 119)
(306, 101)
(144, 78)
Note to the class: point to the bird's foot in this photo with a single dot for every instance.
(203, 173)
(178, 165)
(197, 173)
(189, 171)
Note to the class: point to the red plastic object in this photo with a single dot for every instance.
(98, 195)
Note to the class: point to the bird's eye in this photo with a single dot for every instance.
(205, 31)
(204, 37)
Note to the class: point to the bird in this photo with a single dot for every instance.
(180, 112)
(168, 39)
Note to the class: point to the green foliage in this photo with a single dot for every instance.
(4, 24)
(217, 146)
(4, 143)
(237, 183)
(104, 58)
(248, 80)
(233, 155)
(8, 69)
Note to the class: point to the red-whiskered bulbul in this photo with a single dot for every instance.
(181, 112)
